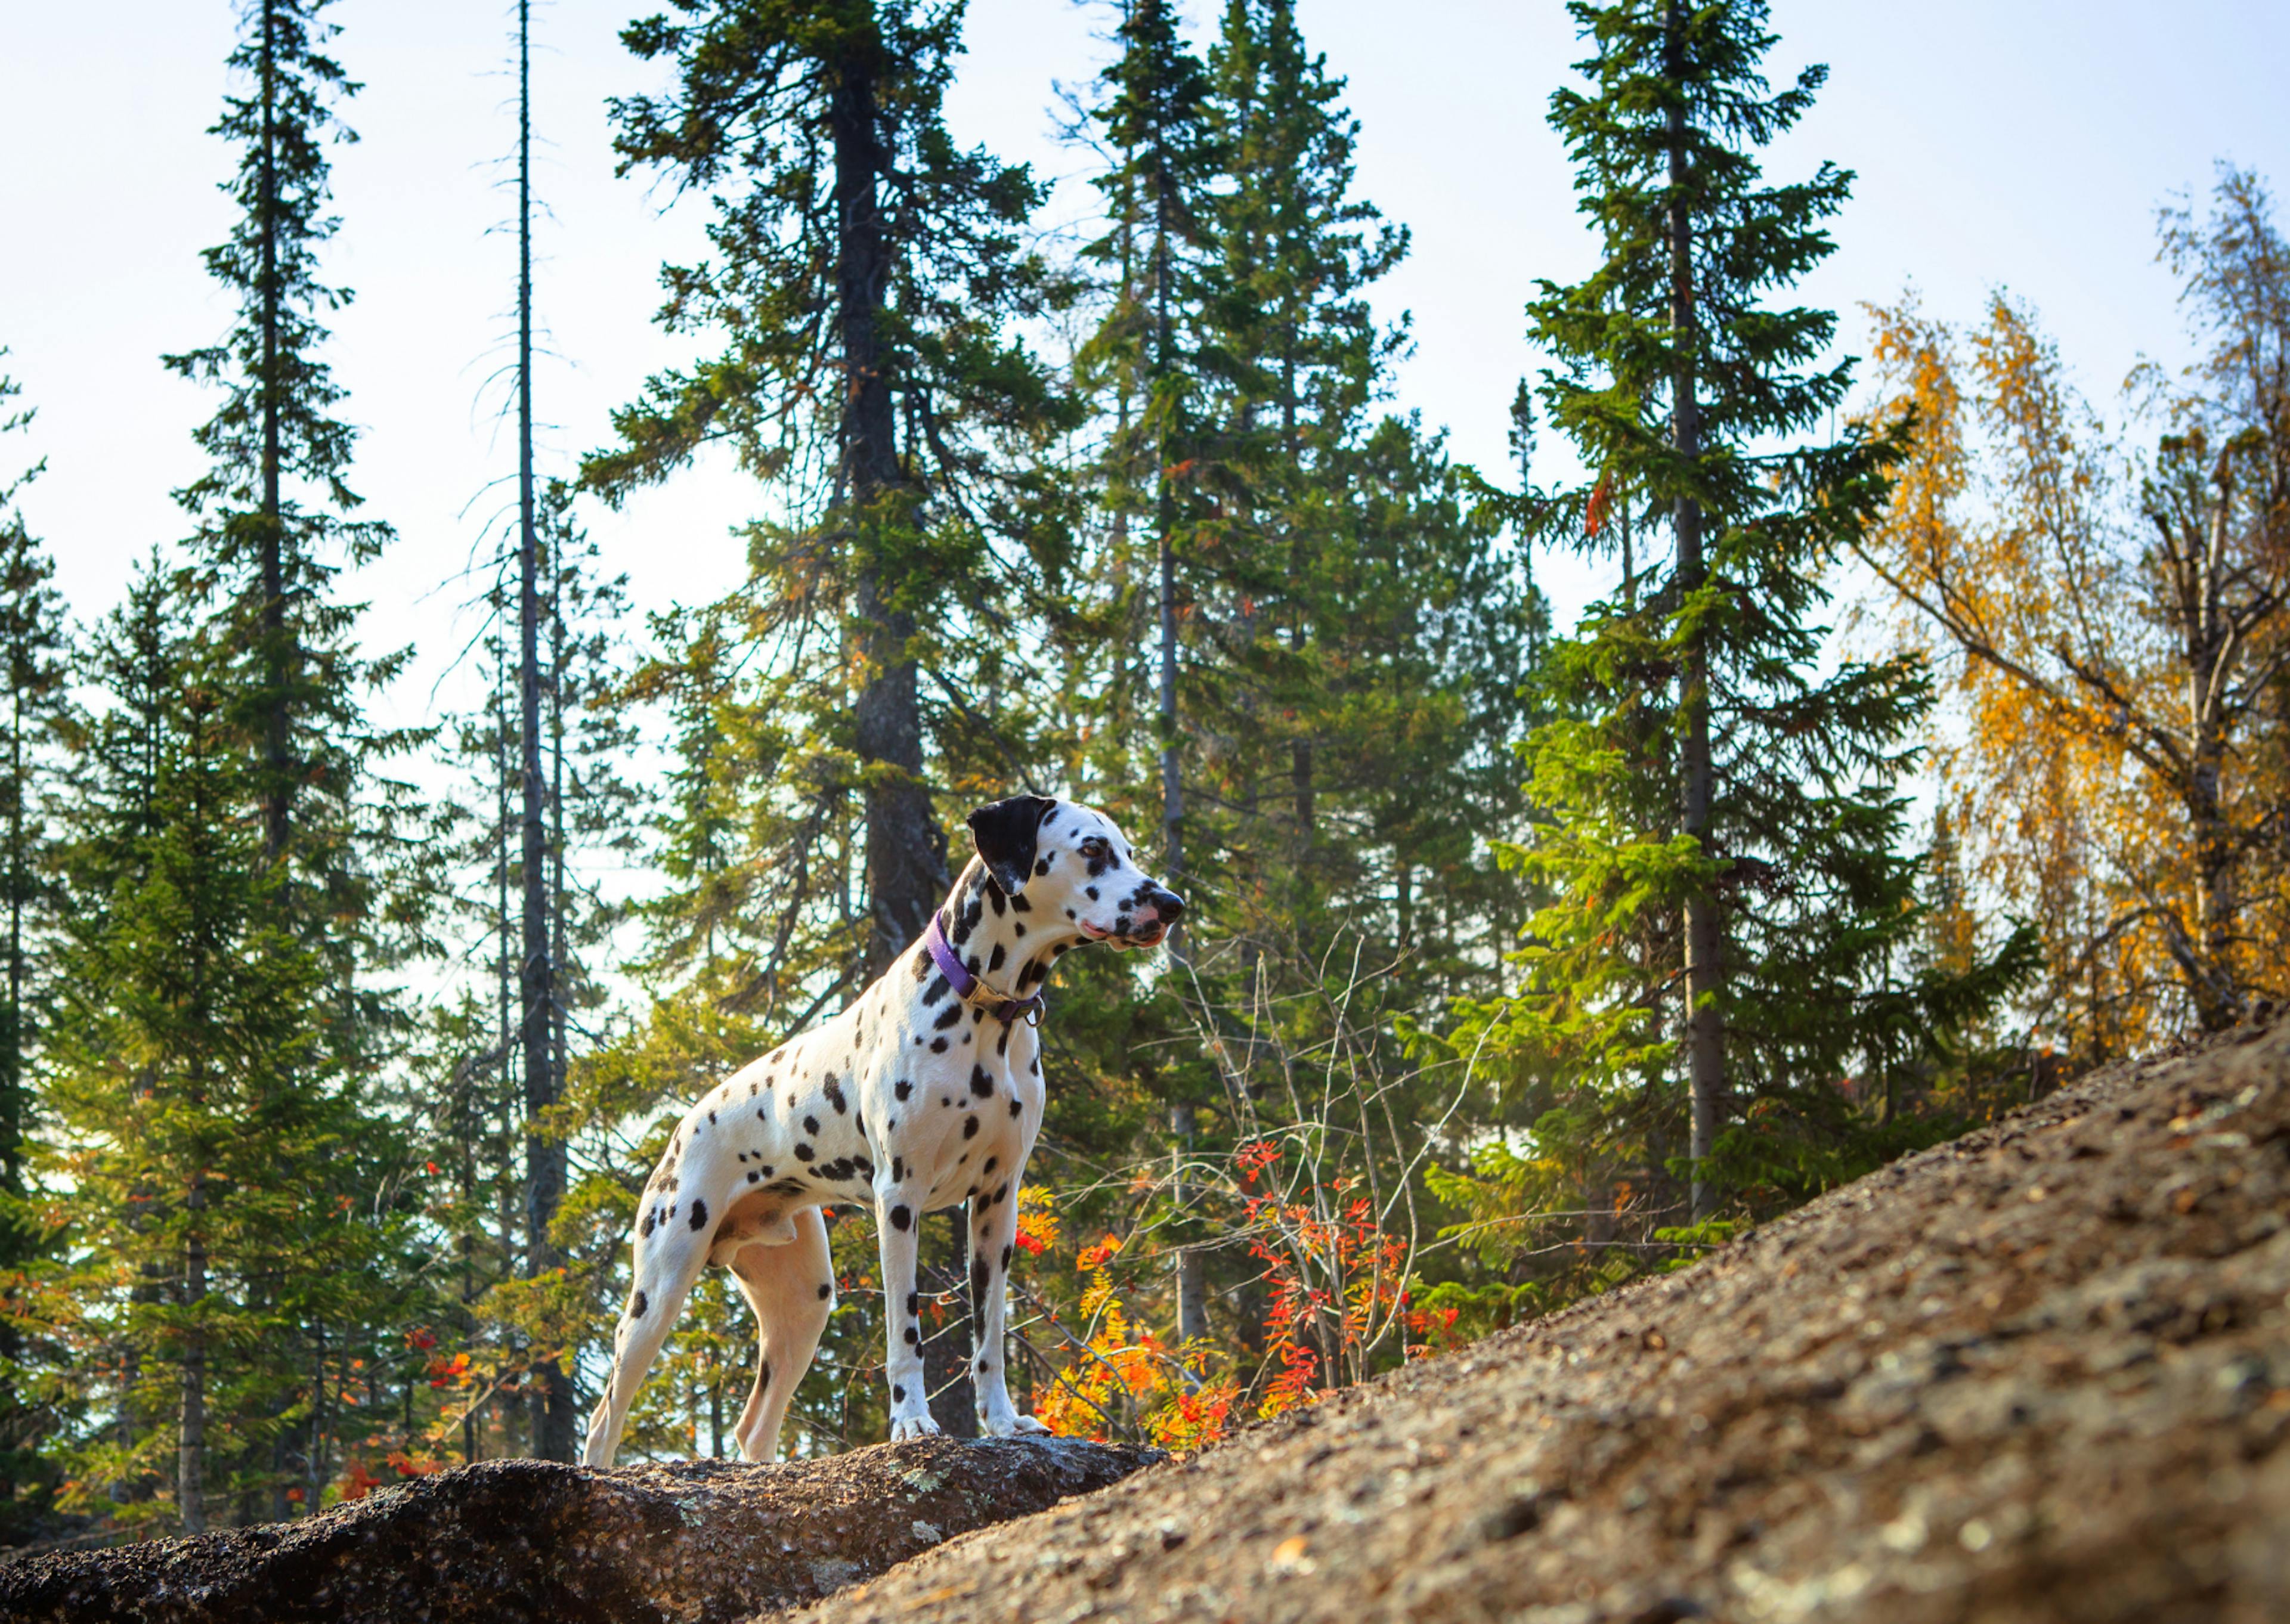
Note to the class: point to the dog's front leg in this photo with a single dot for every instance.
(993, 1242)
(898, 1224)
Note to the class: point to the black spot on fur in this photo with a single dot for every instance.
(947, 1017)
(973, 966)
(898, 1170)
(645, 1228)
(1006, 1260)
(1090, 892)
(803, 1153)
(994, 895)
(636, 1309)
(826, 1289)
(999, 954)
(969, 1130)
(937, 1044)
(983, 1367)
(711, 1116)
(921, 962)
(753, 1176)
(767, 1170)
(834, 1093)
(901, 1217)
(699, 1214)
(811, 1124)
(774, 1058)
(763, 1377)
(1020, 904)
(898, 1394)
(937, 989)
(992, 1162)
(1001, 1044)
(978, 1284)
(981, 1084)
(1016, 1105)
(914, 1305)
(913, 1337)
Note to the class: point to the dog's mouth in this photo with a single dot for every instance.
(1148, 936)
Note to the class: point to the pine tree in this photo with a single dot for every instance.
(217, 1304)
(276, 523)
(869, 273)
(36, 652)
(275, 503)
(1724, 838)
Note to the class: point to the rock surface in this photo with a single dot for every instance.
(2042, 1373)
(510, 1541)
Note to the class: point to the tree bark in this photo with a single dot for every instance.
(1705, 1036)
(906, 871)
(1191, 1264)
(553, 1420)
(277, 787)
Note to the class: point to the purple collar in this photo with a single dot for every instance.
(968, 988)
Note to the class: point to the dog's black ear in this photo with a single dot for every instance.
(1004, 835)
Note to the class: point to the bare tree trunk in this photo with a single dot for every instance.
(278, 791)
(1192, 1264)
(192, 1429)
(553, 1419)
(1705, 1035)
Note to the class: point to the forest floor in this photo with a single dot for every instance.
(2041, 1374)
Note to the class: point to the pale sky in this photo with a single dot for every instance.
(2021, 143)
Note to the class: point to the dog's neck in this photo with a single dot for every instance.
(1005, 940)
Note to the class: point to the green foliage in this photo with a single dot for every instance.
(211, 1174)
(1684, 396)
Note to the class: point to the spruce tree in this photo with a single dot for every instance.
(867, 274)
(274, 510)
(34, 651)
(222, 1261)
(275, 522)
(1723, 837)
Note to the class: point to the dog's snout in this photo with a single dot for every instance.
(1168, 905)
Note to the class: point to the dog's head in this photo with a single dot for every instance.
(1068, 862)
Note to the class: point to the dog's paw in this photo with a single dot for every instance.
(912, 1426)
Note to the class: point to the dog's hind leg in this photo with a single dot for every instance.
(671, 1248)
(791, 1288)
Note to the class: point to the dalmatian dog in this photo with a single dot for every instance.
(923, 1094)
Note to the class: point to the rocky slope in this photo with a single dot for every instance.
(513, 1541)
(2042, 1373)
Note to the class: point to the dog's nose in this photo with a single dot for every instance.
(1169, 905)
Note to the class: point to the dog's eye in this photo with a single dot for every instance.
(1095, 847)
